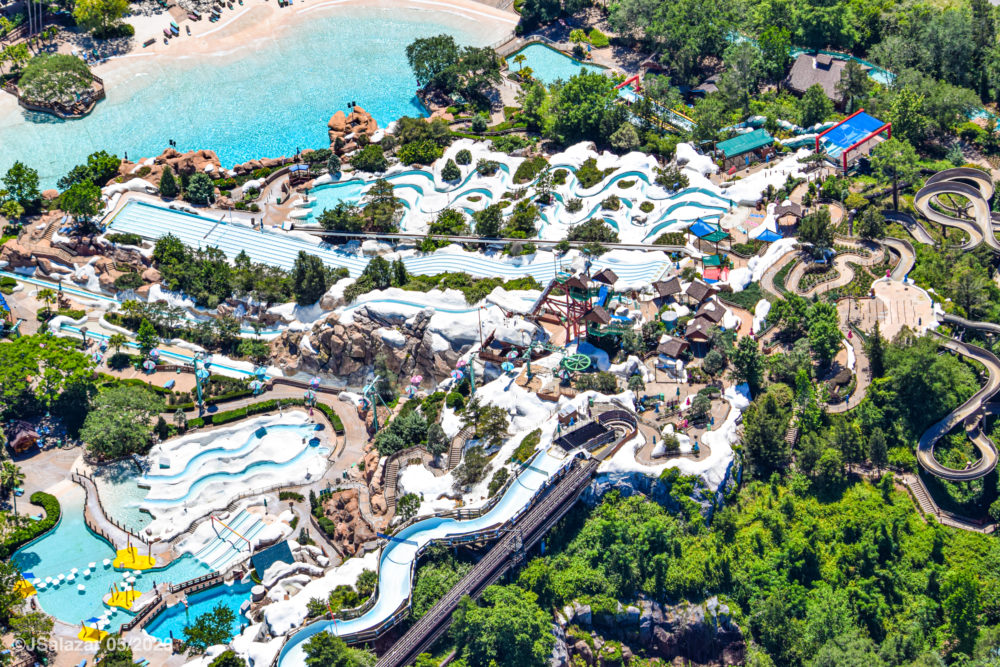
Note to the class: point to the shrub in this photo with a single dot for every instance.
(291, 495)
(463, 157)
(130, 280)
(126, 238)
(417, 152)
(559, 176)
(527, 170)
(370, 159)
(589, 175)
(455, 401)
(479, 123)
(646, 206)
(612, 203)
(487, 167)
(20, 536)
(598, 39)
(451, 172)
(509, 143)
(498, 480)
(526, 449)
(200, 189)
(574, 205)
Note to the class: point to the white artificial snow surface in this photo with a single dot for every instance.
(207, 469)
(712, 469)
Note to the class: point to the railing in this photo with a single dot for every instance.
(195, 584)
(78, 477)
(78, 110)
(145, 615)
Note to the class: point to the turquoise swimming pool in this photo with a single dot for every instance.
(172, 621)
(264, 100)
(328, 196)
(548, 64)
(72, 545)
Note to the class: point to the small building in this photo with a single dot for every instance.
(698, 290)
(746, 149)
(820, 68)
(713, 311)
(697, 334)
(262, 560)
(708, 86)
(597, 316)
(666, 290)
(852, 138)
(22, 436)
(671, 348)
(605, 277)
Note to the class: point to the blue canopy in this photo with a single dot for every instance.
(767, 236)
(702, 228)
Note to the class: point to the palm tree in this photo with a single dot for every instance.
(48, 297)
(519, 60)
(11, 477)
(117, 341)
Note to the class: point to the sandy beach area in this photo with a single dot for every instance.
(256, 20)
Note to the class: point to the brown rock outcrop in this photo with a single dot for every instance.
(348, 352)
(351, 530)
(359, 122)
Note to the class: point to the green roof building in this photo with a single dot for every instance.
(746, 148)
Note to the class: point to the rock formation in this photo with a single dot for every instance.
(348, 128)
(346, 352)
(691, 634)
(189, 163)
(351, 531)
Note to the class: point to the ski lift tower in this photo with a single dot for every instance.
(371, 397)
(200, 375)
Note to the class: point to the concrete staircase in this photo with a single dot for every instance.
(391, 473)
(920, 494)
(457, 445)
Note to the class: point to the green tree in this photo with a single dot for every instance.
(21, 183)
(815, 229)
(100, 168)
(99, 15)
(10, 597)
(200, 189)
(854, 85)
(636, 383)
(437, 441)
(488, 221)
(961, 604)
(764, 426)
(871, 224)
(210, 629)
(894, 161)
(370, 159)
(82, 201)
(968, 289)
(310, 279)
(228, 659)
(625, 138)
(815, 106)
(875, 349)
(905, 112)
(168, 184)
(326, 650)
(824, 335)
(748, 364)
(740, 79)
(120, 422)
(508, 628)
(33, 629)
(407, 506)
(114, 653)
(432, 60)
(333, 164)
(55, 78)
(775, 46)
(586, 108)
(11, 477)
(710, 115)
(146, 337)
(878, 453)
(450, 171)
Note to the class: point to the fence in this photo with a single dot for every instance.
(145, 615)
(58, 109)
(197, 584)
(79, 478)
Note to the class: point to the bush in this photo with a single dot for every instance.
(529, 169)
(559, 176)
(17, 538)
(509, 143)
(646, 206)
(370, 159)
(598, 39)
(291, 495)
(589, 175)
(455, 401)
(130, 280)
(487, 167)
(417, 152)
(126, 238)
(463, 157)
(526, 449)
(451, 172)
(499, 479)
(612, 203)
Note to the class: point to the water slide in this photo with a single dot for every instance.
(398, 559)
(970, 413)
(974, 185)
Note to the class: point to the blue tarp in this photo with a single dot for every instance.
(3, 304)
(603, 295)
(767, 236)
(702, 228)
(848, 133)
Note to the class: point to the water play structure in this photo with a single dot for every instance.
(976, 187)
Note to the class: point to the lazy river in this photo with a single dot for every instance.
(267, 98)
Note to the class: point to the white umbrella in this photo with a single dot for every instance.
(81, 588)
(74, 570)
(91, 565)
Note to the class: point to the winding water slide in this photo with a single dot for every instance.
(971, 413)
(974, 185)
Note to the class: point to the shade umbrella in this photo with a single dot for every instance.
(462, 363)
(314, 382)
(98, 357)
(149, 364)
(154, 354)
(416, 379)
(92, 619)
(507, 367)
(512, 355)
(457, 375)
(104, 344)
(260, 371)
(202, 374)
(256, 386)
(310, 395)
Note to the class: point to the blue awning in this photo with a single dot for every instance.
(767, 236)
(702, 228)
